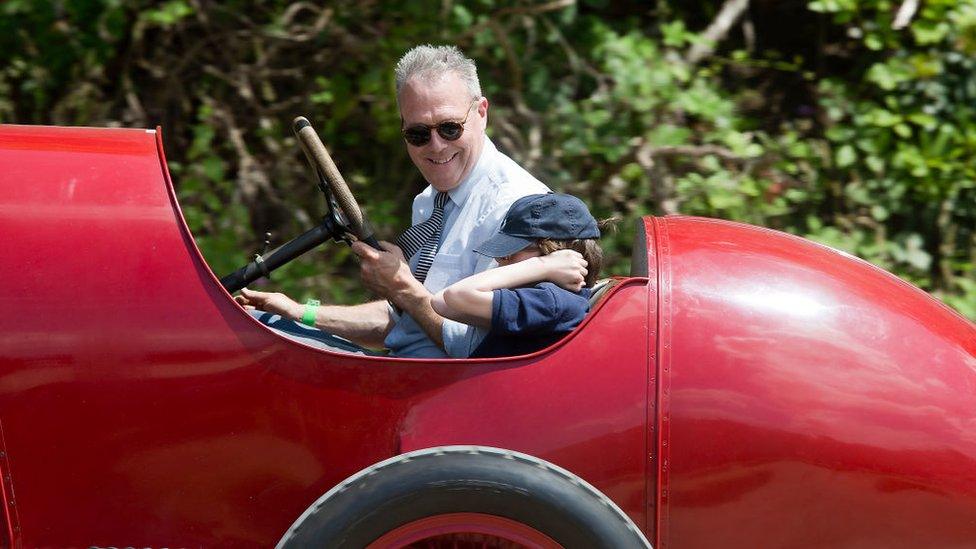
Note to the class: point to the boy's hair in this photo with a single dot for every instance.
(589, 248)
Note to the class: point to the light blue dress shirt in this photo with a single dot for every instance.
(471, 216)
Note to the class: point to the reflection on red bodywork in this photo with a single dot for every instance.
(813, 399)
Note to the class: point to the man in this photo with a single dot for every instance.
(472, 185)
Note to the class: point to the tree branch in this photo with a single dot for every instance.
(555, 5)
(731, 11)
(905, 14)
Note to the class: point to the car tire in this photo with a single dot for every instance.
(453, 494)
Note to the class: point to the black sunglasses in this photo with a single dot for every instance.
(418, 135)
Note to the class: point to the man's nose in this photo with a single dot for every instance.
(437, 143)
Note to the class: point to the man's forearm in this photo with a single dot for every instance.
(387, 274)
(366, 324)
(415, 301)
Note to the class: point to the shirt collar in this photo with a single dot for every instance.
(460, 193)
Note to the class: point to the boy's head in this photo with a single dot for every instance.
(540, 224)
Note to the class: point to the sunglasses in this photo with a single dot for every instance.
(418, 135)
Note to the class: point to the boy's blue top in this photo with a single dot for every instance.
(524, 320)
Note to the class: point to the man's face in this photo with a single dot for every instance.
(444, 164)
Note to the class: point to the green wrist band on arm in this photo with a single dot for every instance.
(308, 317)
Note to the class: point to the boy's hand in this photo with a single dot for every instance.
(566, 269)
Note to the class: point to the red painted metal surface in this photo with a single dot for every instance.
(142, 407)
(807, 398)
(10, 523)
(756, 390)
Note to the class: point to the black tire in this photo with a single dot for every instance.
(464, 479)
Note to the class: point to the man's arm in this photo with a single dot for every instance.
(365, 324)
(469, 300)
(388, 275)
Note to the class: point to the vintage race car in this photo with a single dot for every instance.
(741, 388)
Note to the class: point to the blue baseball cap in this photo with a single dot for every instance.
(555, 216)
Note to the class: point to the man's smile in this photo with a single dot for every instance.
(441, 162)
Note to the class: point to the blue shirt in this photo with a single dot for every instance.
(474, 212)
(524, 320)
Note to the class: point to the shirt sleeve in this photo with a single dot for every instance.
(460, 340)
(541, 308)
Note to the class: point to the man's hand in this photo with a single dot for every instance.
(566, 269)
(384, 272)
(275, 303)
(388, 275)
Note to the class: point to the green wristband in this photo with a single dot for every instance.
(308, 317)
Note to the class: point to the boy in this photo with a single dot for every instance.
(548, 258)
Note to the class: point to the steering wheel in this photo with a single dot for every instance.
(331, 182)
(345, 217)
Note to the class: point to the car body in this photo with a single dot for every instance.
(742, 388)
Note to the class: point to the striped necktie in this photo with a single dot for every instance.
(425, 238)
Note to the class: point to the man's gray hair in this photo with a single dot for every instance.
(431, 62)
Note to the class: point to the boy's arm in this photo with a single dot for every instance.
(469, 300)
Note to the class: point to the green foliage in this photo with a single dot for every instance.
(898, 188)
(167, 14)
(858, 135)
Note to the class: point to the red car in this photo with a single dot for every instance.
(742, 388)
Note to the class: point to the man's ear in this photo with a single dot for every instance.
(483, 110)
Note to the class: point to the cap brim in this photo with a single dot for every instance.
(502, 245)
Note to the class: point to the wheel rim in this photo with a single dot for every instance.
(464, 531)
